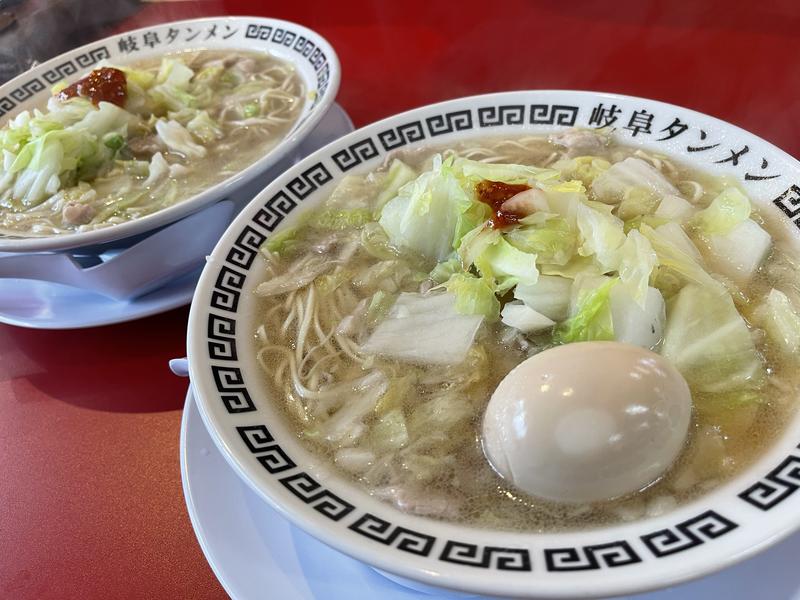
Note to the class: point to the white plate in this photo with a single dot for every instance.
(256, 554)
(44, 305)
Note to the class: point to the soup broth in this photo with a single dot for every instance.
(409, 431)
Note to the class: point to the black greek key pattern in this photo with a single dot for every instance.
(553, 114)
(27, 89)
(284, 36)
(789, 203)
(312, 493)
(303, 46)
(459, 120)
(779, 484)
(401, 538)
(6, 104)
(227, 289)
(258, 32)
(688, 534)
(274, 211)
(60, 72)
(355, 154)
(486, 557)
(92, 57)
(491, 116)
(260, 442)
(256, 437)
(232, 392)
(401, 135)
(613, 554)
(245, 248)
(221, 338)
(309, 180)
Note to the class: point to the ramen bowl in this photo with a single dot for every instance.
(745, 514)
(312, 57)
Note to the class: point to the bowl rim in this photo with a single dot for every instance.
(218, 191)
(614, 581)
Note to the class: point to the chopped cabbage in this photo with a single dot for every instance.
(637, 260)
(674, 234)
(583, 168)
(506, 265)
(637, 202)
(282, 241)
(738, 253)
(591, 320)
(158, 169)
(524, 318)
(603, 236)
(44, 152)
(399, 174)
(553, 241)
(446, 269)
(676, 267)
(424, 328)
(550, 296)
(474, 296)
(631, 173)
(334, 219)
(781, 321)
(172, 85)
(674, 208)
(204, 127)
(725, 212)
(430, 214)
(640, 324)
(506, 173)
(346, 425)
(177, 138)
(709, 342)
(389, 432)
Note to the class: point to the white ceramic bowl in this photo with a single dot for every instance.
(313, 57)
(755, 509)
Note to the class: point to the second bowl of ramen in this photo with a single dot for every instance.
(135, 131)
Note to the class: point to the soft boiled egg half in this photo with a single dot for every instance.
(587, 421)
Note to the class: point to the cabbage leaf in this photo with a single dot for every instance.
(430, 214)
(709, 342)
(592, 319)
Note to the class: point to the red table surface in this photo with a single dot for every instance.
(91, 503)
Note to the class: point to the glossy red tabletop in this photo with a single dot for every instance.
(91, 503)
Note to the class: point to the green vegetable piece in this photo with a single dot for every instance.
(553, 242)
(592, 319)
(281, 243)
(379, 306)
(251, 109)
(399, 174)
(444, 270)
(474, 296)
(725, 212)
(114, 141)
(337, 220)
(709, 342)
(781, 322)
(430, 214)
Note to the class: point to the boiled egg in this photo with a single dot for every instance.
(587, 421)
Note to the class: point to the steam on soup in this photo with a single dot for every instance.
(127, 141)
(389, 315)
